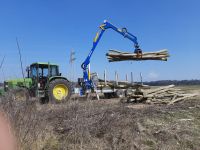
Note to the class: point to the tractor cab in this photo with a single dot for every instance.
(47, 82)
(41, 73)
(43, 70)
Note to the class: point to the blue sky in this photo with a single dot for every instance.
(48, 29)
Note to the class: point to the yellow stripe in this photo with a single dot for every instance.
(102, 26)
(88, 74)
(97, 35)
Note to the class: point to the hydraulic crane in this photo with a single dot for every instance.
(88, 84)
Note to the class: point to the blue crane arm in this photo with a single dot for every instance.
(122, 31)
(103, 27)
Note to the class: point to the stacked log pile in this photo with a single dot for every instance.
(144, 93)
(161, 95)
(115, 55)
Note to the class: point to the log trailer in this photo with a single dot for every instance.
(86, 82)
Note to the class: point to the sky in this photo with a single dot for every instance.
(48, 30)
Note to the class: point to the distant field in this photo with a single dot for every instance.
(189, 87)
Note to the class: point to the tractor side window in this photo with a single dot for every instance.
(33, 71)
(54, 71)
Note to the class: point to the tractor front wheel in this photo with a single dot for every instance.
(59, 91)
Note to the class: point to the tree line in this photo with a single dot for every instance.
(175, 82)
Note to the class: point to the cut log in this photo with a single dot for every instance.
(159, 89)
(116, 55)
(162, 95)
(182, 98)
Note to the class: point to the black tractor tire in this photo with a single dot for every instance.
(57, 86)
(44, 100)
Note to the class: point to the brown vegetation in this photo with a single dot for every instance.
(104, 125)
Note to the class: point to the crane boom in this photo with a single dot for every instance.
(106, 25)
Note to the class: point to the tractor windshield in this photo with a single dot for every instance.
(33, 71)
(43, 72)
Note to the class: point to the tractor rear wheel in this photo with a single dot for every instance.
(59, 91)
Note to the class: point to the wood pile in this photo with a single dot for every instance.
(161, 95)
(115, 55)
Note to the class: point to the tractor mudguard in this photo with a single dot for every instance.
(57, 77)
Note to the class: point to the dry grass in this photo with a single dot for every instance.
(25, 120)
(104, 125)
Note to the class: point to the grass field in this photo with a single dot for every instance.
(105, 124)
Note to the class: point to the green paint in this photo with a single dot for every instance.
(27, 82)
(2, 91)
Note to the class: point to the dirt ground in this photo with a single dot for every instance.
(107, 124)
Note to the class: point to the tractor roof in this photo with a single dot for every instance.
(44, 63)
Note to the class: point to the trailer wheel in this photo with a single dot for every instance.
(59, 91)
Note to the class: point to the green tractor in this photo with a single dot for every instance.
(43, 81)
